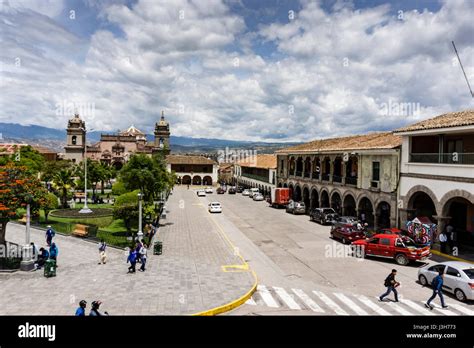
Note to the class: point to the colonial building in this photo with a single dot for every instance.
(257, 171)
(193, 170)
(355, 175)
(225, 173)
(437, 173)
(114, 149)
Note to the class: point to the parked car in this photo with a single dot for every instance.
(239, 189)
(258, 197)
(253, 191)
(245, 192)
(215, 207)
(220, 191)
(208, 190)
(346, 233)
(458, 278)
(323, 215)
(401, 248)
(201, 193)
(345, 220)
(296, 208)
(231, 191)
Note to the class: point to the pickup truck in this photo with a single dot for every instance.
(393, 246)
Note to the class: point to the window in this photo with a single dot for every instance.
(375, 171)
(469, 272)
(374, 241)
(74, 140)
(453, 272)
(385, 241)
(436, 268)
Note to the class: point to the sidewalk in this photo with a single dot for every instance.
(187, 278)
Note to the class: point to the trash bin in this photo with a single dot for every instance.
(157, 248)
(50, 268)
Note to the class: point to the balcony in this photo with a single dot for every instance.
(315, 175)
(256, 177)
(326, 177)
(351, 180)
(307, 174)
(336, 178)
(447, 158)
(298, 173)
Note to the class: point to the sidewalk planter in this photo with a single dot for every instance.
(50, 268)
(157, 248)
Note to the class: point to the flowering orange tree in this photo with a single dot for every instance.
(17, 187)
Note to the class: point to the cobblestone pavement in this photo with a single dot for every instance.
(187, 278)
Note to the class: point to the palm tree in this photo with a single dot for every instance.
(63, 181)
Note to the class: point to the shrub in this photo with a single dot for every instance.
(118, 188)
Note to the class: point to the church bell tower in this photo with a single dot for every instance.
(162, 135)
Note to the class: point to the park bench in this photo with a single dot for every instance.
(80, 196)
(80, 230)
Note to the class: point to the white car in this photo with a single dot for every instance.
(201, 193)
(215, 207)
(253, 192)
(208, 190)
(245, 192)
(258, 197)
(458, 278)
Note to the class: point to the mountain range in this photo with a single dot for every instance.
(55, 139)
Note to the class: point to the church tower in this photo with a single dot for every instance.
(162, 135)
(76, 139)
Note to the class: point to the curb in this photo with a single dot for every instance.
(436, 252)
(231, 305)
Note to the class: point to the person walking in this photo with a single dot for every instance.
(49, 235)
(443, 239)
(95, 309)
(102, 253)
(53, 252)
(437, 285)
(81, 310)
(391, 285)
(143, 255)
(132, 258)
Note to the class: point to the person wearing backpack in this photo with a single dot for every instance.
(49, 235)
(437, 285)
(391, 285)
(132, 258)
(102, 254)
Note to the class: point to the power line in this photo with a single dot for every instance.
(459, 59)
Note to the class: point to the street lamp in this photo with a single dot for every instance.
(85, 209)
(27, 263)
(140, 233)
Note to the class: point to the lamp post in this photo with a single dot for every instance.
(85, 209)
(27, 263)
(140, 233)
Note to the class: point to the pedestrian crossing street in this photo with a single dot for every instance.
(337, 303)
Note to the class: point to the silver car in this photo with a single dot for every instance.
(458, 278)
(296, 208)
(258, 197)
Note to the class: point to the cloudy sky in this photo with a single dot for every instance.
(275, 70)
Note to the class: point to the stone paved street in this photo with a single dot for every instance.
(187, 278)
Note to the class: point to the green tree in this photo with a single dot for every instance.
(118, 188)
(126, 208)
(51, 203)
(63, 182)
(25, 156)
(50, 168)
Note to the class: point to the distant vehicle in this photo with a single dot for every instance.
(323, 215)
(346, 233)
(201, 193)
(231, 191)
(296, 208)
(220, 190)
(239, 189)
(280, 197)
(208, 190)
(253, 191)
(245, 192)
(215, 207)
(258, 197)
(345, 220)
(458, 278)
(393, 246)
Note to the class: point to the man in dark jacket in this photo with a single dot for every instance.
(437, 290)
(391, 285)
(132, 258)
(81, 310)
(42, 257)
(53, 252)
(49, 235)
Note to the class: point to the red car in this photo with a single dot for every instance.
(346, 233)
(393, 246)
(392, 230)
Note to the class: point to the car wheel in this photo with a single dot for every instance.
(401, 259)
(460, 295)
(423, 280)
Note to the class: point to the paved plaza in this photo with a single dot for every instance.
(187, 278)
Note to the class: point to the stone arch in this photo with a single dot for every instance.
(349, 204)
(285, 185)
(454, 194)
(324, 198)
(207, 180)
(197, 180)
(314, 198)
(382, 212)
(421, 188)
(366, 206)
(280, 184)
(297, 194)
(306, 198)
(186, 180)
(336, 201)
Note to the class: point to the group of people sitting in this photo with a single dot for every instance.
(43, 255)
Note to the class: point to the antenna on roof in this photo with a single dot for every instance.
(459, 59)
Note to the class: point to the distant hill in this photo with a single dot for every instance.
(35, 134)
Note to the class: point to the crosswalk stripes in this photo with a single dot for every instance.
(308, 301)
(267, 297)
(371, 305)
(286, 298)
(342, 304)
(350, 303)
(330, 303)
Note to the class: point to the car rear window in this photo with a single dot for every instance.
(469, 272)
(328, 211)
